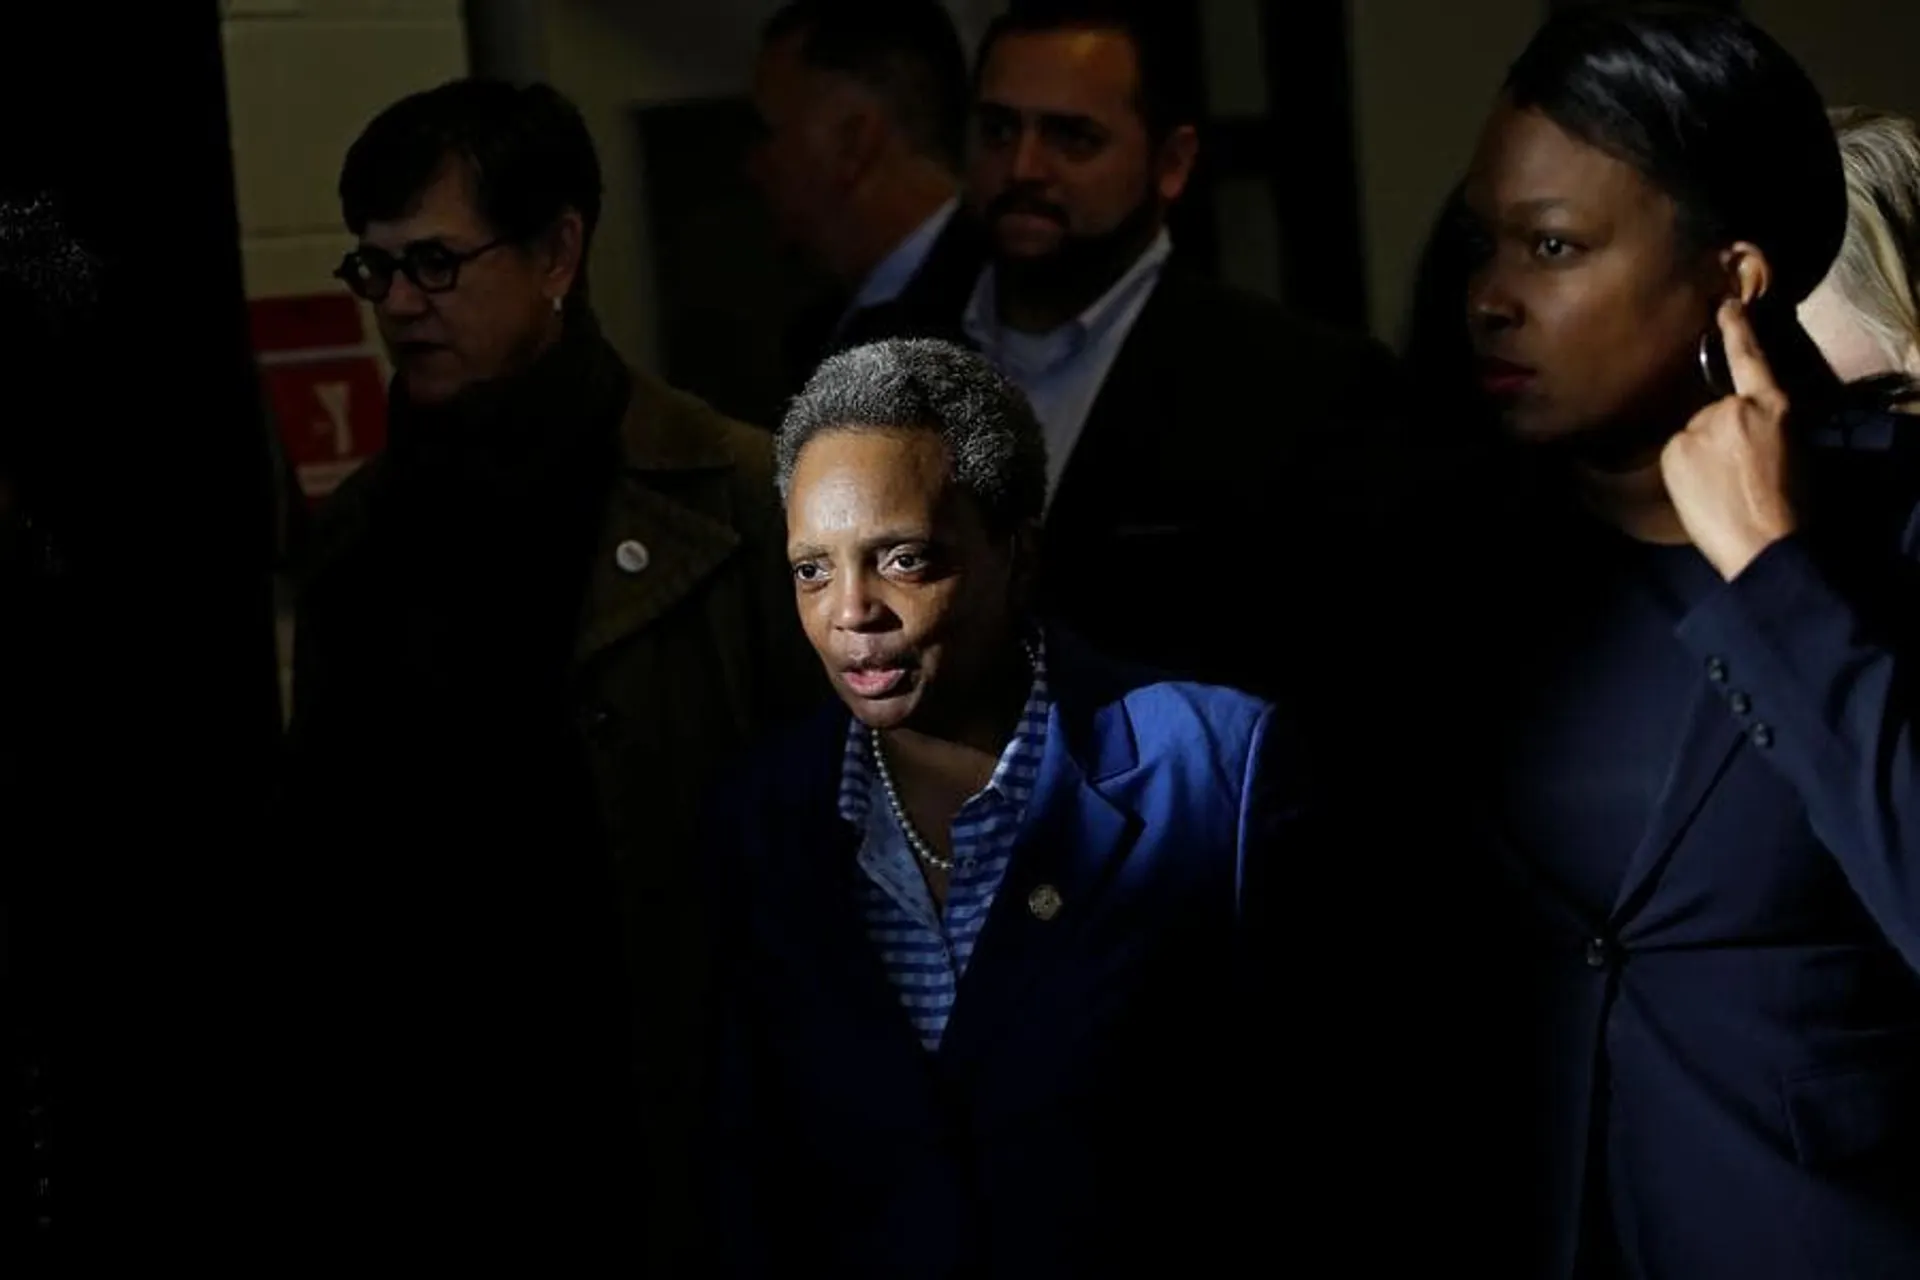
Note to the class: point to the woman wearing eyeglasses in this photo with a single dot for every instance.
(530, 632)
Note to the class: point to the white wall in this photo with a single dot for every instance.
(1860, 52)
(303, 77)
(612, 57)
(1424, 75)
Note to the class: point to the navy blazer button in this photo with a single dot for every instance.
(1717, 670)
(1740, 703)
(1044, 902)
(1762, 736)
(1599, 954)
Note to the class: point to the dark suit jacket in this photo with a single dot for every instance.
(1234, 475)
(1086, 1113)
(1728, 1057)
(930, 306)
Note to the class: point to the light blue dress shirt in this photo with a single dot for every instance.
(1062, 371)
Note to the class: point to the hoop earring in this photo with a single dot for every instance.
(1706, 365)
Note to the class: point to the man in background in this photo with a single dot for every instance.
(1196, 434)
(863, 108)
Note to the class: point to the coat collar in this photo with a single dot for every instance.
(1078, 831)
(671, 500)
(664, 430)
(669, 521)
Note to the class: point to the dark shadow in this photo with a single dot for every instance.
(727, 294)
(133, 1020)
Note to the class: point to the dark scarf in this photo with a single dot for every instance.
(471, 588)
(488, 526)
(467, 878)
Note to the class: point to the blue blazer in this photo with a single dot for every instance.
(1088, 1097)
(1733, 1051)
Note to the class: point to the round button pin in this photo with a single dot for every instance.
(632, 556)
(1044, 902)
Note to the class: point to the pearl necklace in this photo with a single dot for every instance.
(925, 852)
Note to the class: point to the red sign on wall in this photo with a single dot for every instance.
(324, 384)
(332, 416)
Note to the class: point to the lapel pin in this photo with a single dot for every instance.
(1044, 902)
(632, 556)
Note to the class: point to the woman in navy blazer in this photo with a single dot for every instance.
(1697, 680)
(989, 988)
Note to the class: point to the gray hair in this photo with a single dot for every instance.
(993, 441)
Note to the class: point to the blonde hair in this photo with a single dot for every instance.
(1878, 270)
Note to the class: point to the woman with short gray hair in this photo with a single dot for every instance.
(999, 454)
(989, 800)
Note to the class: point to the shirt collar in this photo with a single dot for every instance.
(887, 281)
(982, 317)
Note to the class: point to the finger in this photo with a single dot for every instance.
(1752, 375)
(1706, 423)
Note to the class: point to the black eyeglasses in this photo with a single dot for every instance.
(431, 266)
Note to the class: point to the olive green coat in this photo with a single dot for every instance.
(687, 648)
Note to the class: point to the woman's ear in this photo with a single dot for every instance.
(566, 244)
(1748, 273)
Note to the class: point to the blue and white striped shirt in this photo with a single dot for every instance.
(925, 950)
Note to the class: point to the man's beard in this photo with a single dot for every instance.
(1083, 266)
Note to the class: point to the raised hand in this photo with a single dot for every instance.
(1726, 474)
